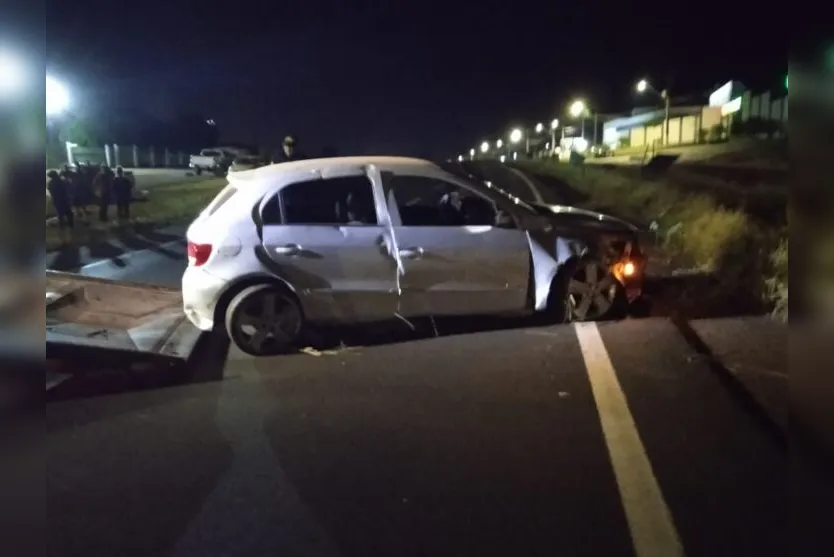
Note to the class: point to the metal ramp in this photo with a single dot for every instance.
(87, 313)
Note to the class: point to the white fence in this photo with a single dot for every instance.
(126, 155)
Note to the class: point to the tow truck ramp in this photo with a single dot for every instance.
(89, 313)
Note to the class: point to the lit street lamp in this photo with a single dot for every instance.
(460, 158)
(642, 86)
(578, 109)
(471, 153)
(516, 135)
(553, 125)
(539, 127)
(485, 147)
(57, 97)
(499, 143)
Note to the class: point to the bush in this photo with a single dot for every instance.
(777, 285)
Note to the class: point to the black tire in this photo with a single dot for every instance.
(247, 318)
(561, 309)
(197, 170)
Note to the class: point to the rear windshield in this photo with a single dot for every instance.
(211, 153)
(222, 197)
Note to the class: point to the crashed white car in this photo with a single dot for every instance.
(364, 239)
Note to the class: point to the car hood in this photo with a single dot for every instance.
(584, 217)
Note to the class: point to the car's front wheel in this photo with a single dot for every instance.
(585, 290)
(264, 320)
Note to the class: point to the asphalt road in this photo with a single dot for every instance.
(610, 439)
(509, 442)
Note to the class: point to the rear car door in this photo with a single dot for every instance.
(323, 236)
(454, 264)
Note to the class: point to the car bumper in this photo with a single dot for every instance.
(200, 293)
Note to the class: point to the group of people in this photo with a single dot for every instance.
(74, 191)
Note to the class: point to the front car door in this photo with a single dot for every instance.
(322, 235)
(452, 265)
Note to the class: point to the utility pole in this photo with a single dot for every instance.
(596, 115)
(665, 95)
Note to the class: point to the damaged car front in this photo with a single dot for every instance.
(600, 265)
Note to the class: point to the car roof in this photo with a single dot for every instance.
(285, 172)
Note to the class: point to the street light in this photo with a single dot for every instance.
(57, 97)
(579, 109)
(516, 135)
(485, 147)
(642, 86)
(460, 158)
(539, 127)
(553, 125)
(499, 143)
(471, 153)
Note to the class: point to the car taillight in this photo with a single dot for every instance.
(198, 254)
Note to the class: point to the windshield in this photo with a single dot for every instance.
(477, 181)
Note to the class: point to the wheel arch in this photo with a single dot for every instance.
(242, 284)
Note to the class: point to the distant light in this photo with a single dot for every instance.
(12, 74)
(539, 127)
(629, 269)
(503, 158)
(515, 155)
(471, 152)
(460, 158)
(642, 85)
(578, 108)
(786, 82)
(211, 122)
(554, 123)
(581, 144)
(499, 143)
(516, 135)
(57, 97)
(485, 147)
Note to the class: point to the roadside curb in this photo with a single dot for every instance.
(734, 386)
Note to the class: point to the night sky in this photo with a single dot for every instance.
(381, 77)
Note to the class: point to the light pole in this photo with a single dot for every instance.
(578, 109)
(516, 135)
(642, 86)
(553, 125)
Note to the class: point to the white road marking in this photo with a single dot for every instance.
(650, 522)
(536, 193)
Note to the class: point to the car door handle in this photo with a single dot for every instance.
(287, 249)
(411, 253)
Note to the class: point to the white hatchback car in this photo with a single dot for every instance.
(364, 239)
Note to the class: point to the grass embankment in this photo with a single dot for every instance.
(739, 235)
(168, 204)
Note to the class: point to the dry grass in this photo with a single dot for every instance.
(167, 204)
(699, 228)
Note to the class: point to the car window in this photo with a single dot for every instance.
(210, 153)
(347, 200)
(426, 201)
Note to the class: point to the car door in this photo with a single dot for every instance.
(453, 267)
(323, 236)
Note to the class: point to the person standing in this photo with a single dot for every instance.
(123, 192)
(58, 189)
(103, 186)
(289, 151)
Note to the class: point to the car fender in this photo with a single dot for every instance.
(549, 261)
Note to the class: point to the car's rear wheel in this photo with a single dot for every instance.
(264, 320)
(587, 291)
(198, 170)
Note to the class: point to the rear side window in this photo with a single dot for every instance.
(225, 195)
(346, 200)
